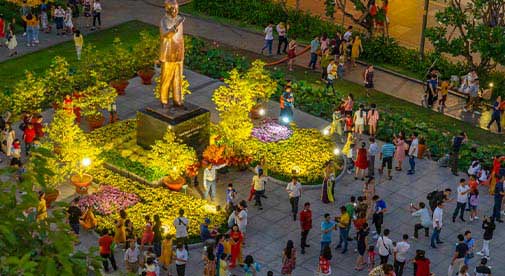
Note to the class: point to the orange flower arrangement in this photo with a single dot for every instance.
(215, 154)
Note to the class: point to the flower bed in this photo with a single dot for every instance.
(159, 201)
(271, 132)
(303, 155)
(108, 200)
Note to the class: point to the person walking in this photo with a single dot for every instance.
(166, 253)
(413, 152)
(368, 79)
(400, 144)
(237, 239)
(291, 53)
(105, 242)
(97, 14)
(386, 154)
(327, 226)
(69, 24)
(344, 221)
(362, 242)
(496, 115)
(209, 180)
(458, 259)
(305, 225)
(384, 247)
(29, 135)
(59, 19)
(180, 224)
(294, 190)
(457, 142)
(78, 42)
(269, 38)
(288, 259)
(241, 217)
(425, 219)
(437, 222)
(314, 48)
(120, 230)
(131, 258)
(258, 183)
(380, 208)
(421, 264)
(489, 227)
(462, 200)
(359, 121)
(281, 29)
(74, 214)
(12, 42)
(373, 150)
(498, 198)
(372, 119)
(400, 255)
(181, 258)
(357, 49)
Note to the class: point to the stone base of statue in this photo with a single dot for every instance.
(191, 124)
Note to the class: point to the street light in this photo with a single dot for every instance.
(336, 151)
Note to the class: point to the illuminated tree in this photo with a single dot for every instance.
(262, 85)
(29, 94)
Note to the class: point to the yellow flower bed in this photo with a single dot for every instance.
(159, 201)
(304, 155)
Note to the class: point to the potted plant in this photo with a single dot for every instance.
(120, 67)
(145, 53)
(94, 99)
(170, 159)
(262, 86)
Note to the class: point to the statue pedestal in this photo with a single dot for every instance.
(191, 124)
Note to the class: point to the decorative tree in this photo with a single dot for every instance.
(119, 62)
(262, 85)
(233, 102)
(58, 81)
(96, 97)
(29, 94)
(31, 247)
(170, 158)
(93, 60)
(146, 51)
(479, 29)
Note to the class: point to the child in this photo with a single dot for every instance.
(223, 265)
(474, 202)
(78, 41)
(227, 245)
(231, 198)
(371, 257)
(16, 152)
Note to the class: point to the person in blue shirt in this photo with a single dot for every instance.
(498, 197)
(327, 227)
(386, 154)
(470, 243)
(204, 230)
(496, 115)
(380, 208)
(314, 46)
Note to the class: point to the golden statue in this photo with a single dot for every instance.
(171, 54)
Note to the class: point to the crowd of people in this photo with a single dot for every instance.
(42, 18)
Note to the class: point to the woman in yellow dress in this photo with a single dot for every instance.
(166, 252)
(120, 236)
(42, 208)
(357, 48)
(88, 221)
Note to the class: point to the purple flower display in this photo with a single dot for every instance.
(271, 132)
(108, 200)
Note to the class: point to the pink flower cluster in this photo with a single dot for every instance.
(271, 132)
(108, 200)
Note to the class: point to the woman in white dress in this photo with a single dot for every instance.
(68, 21)
(8, 136)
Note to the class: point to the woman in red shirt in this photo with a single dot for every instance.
(236, 246)
(361, 162)
(421, 264)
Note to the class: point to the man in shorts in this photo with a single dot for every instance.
(386, 154)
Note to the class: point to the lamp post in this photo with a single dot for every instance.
(423, 30)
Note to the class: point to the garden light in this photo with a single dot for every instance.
(285, 119)
(326, 131)
(262, 112)
(86, 162)
(336, 151)
(491, 85)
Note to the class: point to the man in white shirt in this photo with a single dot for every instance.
(209, 180)
(181, 229)
(413, 151)
(437, 224)
(269, 38)
(294, 190)
(181, 258)
(462, 199)
(384, 247)
(131, 258)
(400, 255)
(373, 150)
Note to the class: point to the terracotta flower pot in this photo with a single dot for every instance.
(174, 185)
(81, 183)
(95, 122)
(420, 151)
(146, 75)
(120, 86)
(51, 197)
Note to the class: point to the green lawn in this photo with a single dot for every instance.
(13, 70)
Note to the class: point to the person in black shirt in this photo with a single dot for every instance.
(438, 196)
(483, 269)
(456, 146)
(458, 260)
(488, 226)
(74, 214)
